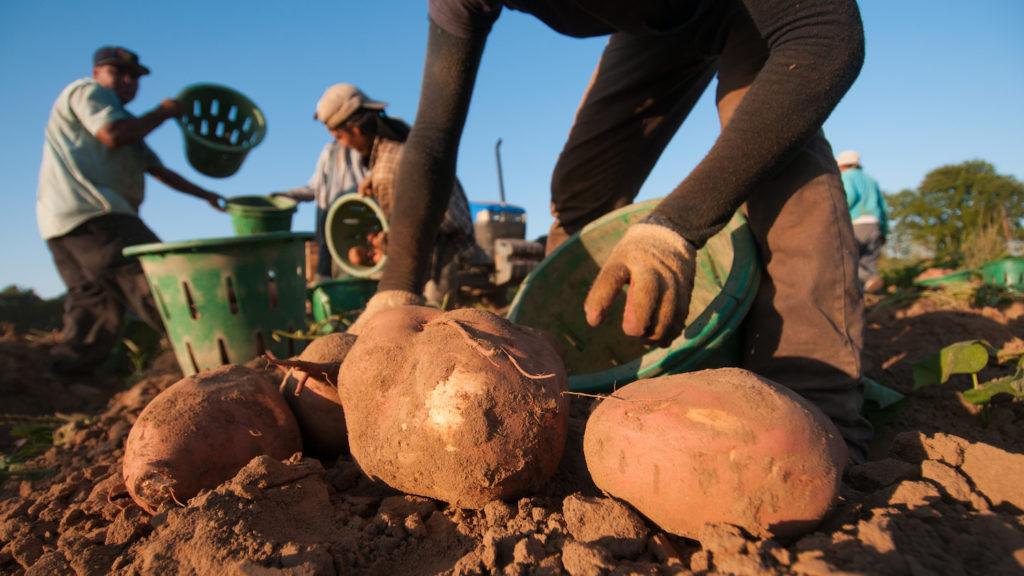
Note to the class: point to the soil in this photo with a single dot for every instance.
(941, 495)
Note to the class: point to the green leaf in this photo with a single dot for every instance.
(968, 357)
(879, 394)
(984, 393)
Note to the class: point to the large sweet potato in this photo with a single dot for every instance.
(462, 406)
(716, 446)
(202, 430)
(316, 404)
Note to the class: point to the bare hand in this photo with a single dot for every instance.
(366, 186)
(215, 200)
(170, 107)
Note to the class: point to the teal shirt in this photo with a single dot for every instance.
(865, 198)
(80, 178)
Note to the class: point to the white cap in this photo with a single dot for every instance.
(848, 158)
(340, 101)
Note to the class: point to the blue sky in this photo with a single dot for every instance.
(943, 82)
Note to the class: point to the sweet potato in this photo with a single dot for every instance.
(316, 404)
(716, 446)
(461, 406)
(202, 430)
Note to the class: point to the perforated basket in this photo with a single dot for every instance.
(221, 126)
(221, 299)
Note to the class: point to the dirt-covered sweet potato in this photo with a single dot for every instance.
(716, 446)
(202, 430)
(314, 399)
(461, 406)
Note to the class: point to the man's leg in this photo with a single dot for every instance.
(869, 243)
(641, 92)
(323, 254)
(805, 329)
(92, 317)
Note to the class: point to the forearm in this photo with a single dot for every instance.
(816, 49)
(176, 181)
(133, 130)
(302, 194)
(428, 160)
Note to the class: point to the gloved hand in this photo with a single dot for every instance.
(381, 301)
(659, 266)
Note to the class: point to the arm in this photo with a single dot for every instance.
(816, 49)
(176, 181)
(134, 130)
(428, 161)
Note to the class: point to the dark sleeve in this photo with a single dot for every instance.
(427, 169)
(816, 49)
(464, 18)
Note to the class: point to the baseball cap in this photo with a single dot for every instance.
(120, 57)
(848, 158)
(340, 101)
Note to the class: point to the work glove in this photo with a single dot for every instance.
(659, 266)
(381, 301)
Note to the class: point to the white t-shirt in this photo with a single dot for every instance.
(80, 178)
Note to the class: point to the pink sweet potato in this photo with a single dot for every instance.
(316, 404)
(461, 406)
(202, 430)
(716, 446)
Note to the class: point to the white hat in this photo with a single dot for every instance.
(848, 158)
(341, 101)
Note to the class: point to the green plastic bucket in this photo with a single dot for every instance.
(1006, 272)
(260, 214)
(350, 219)
(334, 297)
(221, 126)
(221, 299)
(602, 358)
(958, 277)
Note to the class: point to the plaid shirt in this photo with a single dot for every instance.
(457, 226)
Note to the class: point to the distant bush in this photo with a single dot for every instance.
(27, 311)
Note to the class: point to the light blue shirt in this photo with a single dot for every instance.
(79, 177)
(339, 169)
(865, 198)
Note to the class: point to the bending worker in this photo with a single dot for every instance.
(782, 67)
(91, 184)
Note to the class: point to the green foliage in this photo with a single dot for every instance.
(27, 311)
(957, 204)
(968, 357)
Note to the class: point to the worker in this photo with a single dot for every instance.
(870, 218)
(91, 184)
(782, 67)
(339, 170)
(360, 123)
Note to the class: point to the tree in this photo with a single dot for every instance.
(957, 203)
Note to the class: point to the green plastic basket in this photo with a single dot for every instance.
(602, 358)
(350, 219)
(958, 277)
(260, 214)
(1006, 272)
(221, 126)
(334, 297)
(221, 299)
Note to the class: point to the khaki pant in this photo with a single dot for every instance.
(805, 329)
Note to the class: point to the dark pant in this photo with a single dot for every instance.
(101, 284)
(805, 329)
(869, 244)
(323, 254)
